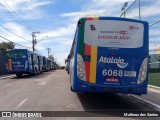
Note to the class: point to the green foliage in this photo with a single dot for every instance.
(4, 46)
(154, 79)
(154, 70)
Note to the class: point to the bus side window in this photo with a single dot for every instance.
(73, 49)
(31, 57)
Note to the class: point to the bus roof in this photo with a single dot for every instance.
(112, 18)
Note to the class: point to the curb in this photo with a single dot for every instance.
(156, 106)
(6, 77)
(155, 87)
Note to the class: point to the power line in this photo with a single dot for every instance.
(13, 42)
(11, 15)
(28, 26)
(154, 23)
(14, 33)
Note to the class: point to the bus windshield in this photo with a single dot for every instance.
(114, 33)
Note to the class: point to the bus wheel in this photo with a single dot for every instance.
(19, 75)
(72, 89)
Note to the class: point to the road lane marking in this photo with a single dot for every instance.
(7, 77)
(148, 102)
(21, 103)
(43, 83)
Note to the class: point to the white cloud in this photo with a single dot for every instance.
(154, 32)
(37, 4)
(26, 9)
(87, 13)
(24, 4)
(105, 4)
(62, 31)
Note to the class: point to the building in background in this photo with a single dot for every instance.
(154, 61)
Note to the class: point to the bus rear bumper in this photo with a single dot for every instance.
(88, 87)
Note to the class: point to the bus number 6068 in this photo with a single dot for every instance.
(112, 73)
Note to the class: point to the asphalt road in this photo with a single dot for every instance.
(50, 91)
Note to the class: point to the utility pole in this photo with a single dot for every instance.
(34, 39)
(49, 50)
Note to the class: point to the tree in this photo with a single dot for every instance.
(6, 45)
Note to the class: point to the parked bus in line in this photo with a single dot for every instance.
(23, 61)
(67, 64)
(45, 64)
(110, 54)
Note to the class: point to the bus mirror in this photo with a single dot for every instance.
(79, 24)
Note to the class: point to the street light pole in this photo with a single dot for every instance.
(123, 8)
(139, 10)
(42, 39)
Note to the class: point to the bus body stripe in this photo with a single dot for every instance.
(87, 69)
(87, 63)
(92, 18)
(93, 65)
(10, 64)
(87, 50)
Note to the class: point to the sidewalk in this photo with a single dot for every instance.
(6, 76)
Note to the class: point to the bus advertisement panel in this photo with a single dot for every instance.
(110, 55)
(23, 61)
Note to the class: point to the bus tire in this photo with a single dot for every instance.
(72, 89)
(19, 75)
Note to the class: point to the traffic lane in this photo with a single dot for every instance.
(14, 91)
(57, 96)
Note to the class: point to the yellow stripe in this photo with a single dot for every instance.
(10, 64)
(93, 64)
(95, 18)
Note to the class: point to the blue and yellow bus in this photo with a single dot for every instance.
(110, 54)
(23, 61)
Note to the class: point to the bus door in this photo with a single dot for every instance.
(31, 62)
(39, 67)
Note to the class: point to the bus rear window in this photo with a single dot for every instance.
(19, 54)
(8, 54)
(114, 33)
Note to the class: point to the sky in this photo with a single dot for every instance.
(56, 21)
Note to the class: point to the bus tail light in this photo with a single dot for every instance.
(143, 71)
(80, 68)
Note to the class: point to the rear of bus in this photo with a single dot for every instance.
(111, 55)
(17, 61)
